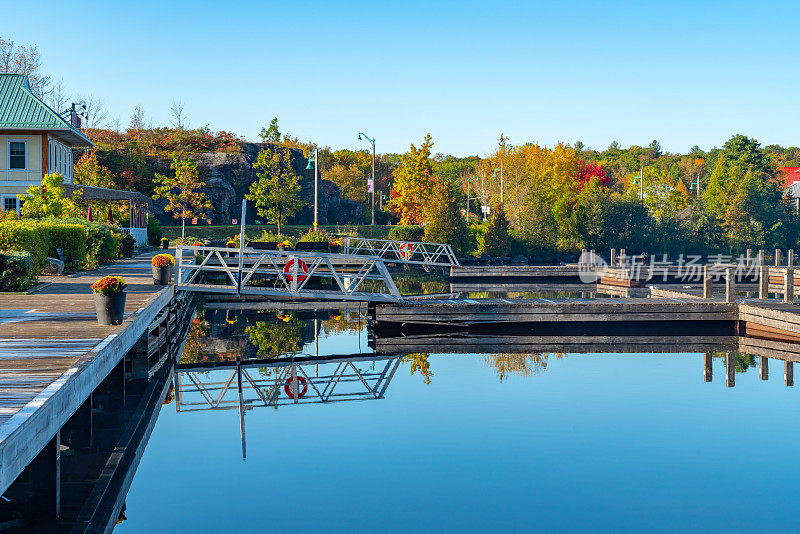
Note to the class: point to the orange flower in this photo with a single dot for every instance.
(163, 260)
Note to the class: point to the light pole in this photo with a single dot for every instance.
(696, 185)
(640, 180)
(316, 184)
(494, 174)
(468, 199)
(371, 188)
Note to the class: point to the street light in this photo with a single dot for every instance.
(316, 186)
(371, 188)
(640, 180)
(494, 175)
(696, 185)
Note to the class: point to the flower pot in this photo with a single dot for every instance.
(161, 275)
(110, 308)
(165, 246)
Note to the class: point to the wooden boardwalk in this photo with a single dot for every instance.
(53, 353)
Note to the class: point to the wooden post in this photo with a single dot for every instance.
(613, 257)
(763, 282)
(708, 289)
(788, 284)
(582, 259)
(707, 369)
(790, 258)
(592, 261)
(764, 368)
(777, 257)
(749, 258)
(622, 257)
(761, 257)
(730, 289)
(730, 370)
(788, 373)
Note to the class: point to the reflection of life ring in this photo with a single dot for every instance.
(302, 387)
(301, 267)
(406, 250)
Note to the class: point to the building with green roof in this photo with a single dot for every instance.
(34, 140)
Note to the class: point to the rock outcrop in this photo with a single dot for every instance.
(228, 178)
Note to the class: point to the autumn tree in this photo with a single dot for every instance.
(412, 183)
(276, 193)
(21, 59)
(442, 216)
(49, 199)
(88, 171)
(183, 191)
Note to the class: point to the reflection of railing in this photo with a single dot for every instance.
(289, 274)
(411, 252)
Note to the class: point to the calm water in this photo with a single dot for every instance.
(476, 443)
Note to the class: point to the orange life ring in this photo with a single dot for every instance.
(301, 265)
(302, 387)
(406, 250)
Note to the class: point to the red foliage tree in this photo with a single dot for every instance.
(587, 171)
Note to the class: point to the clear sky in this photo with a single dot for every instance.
(684, 73)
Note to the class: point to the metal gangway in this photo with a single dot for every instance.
(427, 255)
(287, 274)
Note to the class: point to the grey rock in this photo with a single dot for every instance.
(54, 267)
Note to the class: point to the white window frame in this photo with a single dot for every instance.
(8, 153)
(3, 202)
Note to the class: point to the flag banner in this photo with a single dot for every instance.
(370, 185)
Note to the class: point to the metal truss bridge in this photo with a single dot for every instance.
(360, 274)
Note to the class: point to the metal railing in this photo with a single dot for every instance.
(408, 252)
(289, 274)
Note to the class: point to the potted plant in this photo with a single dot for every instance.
(164, 243)
(286, 245)
(162, 268)
(109, 299)
(231, 244)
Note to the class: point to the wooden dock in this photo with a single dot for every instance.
(53, 353)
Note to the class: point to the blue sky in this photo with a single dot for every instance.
(684, 73)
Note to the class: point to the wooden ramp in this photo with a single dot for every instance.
(53, 353)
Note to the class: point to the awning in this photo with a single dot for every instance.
(107, 195)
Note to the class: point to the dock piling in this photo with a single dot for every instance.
(749, 257)
(613, 257)
(763, 282)
(708, 289)
(707, 369)
(730, 289)
(788, 373)
(788, 284)
(730, 370)
(777, 257)
(764, 368)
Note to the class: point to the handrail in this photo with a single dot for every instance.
(406, 252)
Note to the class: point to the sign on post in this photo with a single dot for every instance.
(370, 185)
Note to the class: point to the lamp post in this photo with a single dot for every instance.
(696, 185)
(494, 175)
(316, 184)
(468, 198)
(640, 180)
(372, 189)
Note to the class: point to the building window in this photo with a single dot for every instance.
(16, 155)
(10, 204)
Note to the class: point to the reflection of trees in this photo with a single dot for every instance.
(518, 364)
(742, 362)
(419, 362)
(341, 324)
(413, 284)
(275, 338)
(193, 349)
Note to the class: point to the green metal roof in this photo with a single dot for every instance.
(21, 109)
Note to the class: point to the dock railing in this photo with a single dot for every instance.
(289, 274)
(408, 252)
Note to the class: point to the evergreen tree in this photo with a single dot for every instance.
(271, 134)
(495, 242)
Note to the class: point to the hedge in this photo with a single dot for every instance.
(407, 233)
(16, 271)
(88, 243)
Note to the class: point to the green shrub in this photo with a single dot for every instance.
(316, 236)
(71, 238)
(101, 247)
(410, 232)
(26, 235)
(154, 233)
(16, 271)
(127, 244)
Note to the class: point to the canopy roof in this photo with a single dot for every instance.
(101, 193)
(20, 109)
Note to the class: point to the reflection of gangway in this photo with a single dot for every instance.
(279, 382)
(408, 252)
